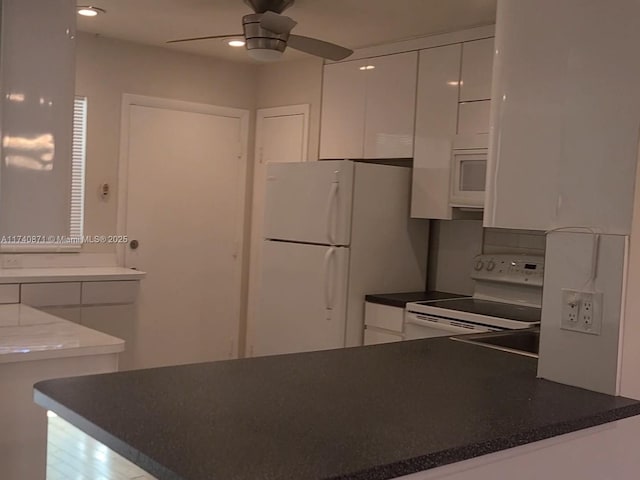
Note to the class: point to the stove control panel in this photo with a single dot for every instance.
(509, 268)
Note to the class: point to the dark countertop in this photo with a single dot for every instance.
(401, 299)
(369, 413)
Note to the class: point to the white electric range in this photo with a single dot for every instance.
(507, 296)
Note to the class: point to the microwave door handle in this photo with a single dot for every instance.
(329, 216)
(440, 326)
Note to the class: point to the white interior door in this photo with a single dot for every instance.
(184, 206)
(303, 298)
(281, 136)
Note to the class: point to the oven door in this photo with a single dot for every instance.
(468, 177)
(418, 325)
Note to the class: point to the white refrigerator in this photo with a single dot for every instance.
(334, 232)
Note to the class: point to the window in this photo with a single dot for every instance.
(73, 242)
(76, 219)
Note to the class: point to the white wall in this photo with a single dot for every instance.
(454, 243)
(106, 69)
(574, 358)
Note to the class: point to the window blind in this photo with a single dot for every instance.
(76, 218)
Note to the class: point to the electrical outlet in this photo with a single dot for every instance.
(570, 308)
(11, 261)
(582, 311)
(590, 315)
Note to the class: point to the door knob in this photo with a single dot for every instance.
(133, 244)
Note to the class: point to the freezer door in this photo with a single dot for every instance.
(302, 301)
(309, 202)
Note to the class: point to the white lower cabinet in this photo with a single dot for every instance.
(73, 314)
(115, 320)
(50, 294)
(374, 336)
(383, 323)
(9, 293)
(106, 306)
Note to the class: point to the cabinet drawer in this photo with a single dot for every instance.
(473, 118)
(50, 294)
(73, 314)
(375, 337)
(10, 293)
(383, 316)
(109, 293)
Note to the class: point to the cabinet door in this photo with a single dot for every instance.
(343, 110)
(436, 124)
(120, 321)
(564, 133)
(473, 118)
(383, 316)
(390, 106)
(477, 69)
(373, 336)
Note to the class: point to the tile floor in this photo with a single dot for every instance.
(73, 455)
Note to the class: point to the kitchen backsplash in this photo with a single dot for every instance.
(454, 243)
(498, 240)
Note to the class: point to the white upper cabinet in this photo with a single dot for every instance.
(454, 91)
(391, 105)
(37, 78)
(368, 108)
(565, 115)
(436, 127)
(477, 65)
(343, 111)
(474, 118)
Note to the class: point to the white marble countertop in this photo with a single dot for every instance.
(30, 334)
(68, 274)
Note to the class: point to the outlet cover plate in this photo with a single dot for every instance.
(582, 311)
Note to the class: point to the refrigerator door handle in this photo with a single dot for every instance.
(333, 196)
(328, 279)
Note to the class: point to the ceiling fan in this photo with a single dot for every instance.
(268, 33)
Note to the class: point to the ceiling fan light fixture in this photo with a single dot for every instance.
(265, 54)
(236, 43)
(89, 11)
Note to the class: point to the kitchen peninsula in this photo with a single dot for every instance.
(377, 412)
(35, 346)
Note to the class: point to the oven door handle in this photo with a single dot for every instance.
(413, 320)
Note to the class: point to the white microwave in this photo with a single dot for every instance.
(468, 171)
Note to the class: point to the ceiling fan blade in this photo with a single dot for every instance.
(277, 23)
(320, 48)
(240, 35)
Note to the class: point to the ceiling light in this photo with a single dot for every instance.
(367, 67)
(89, 11)
(236, 43)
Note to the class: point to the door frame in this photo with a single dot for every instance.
(288, 110)
(131, 100)
(253, 281)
